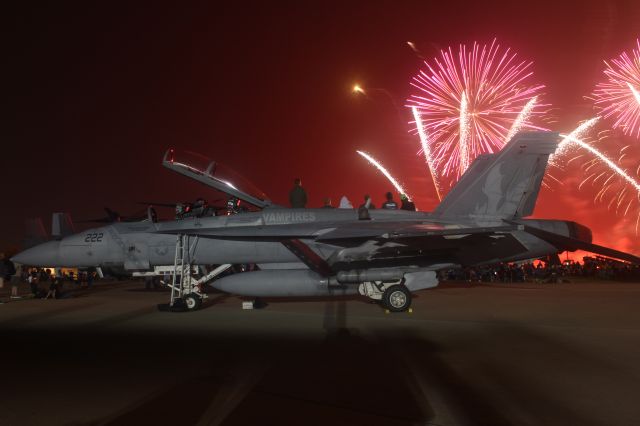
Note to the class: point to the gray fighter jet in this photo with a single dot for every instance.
(385, 255)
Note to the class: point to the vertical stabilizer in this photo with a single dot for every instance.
(505, 184)
(61, 225)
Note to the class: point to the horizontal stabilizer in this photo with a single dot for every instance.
(571, 244)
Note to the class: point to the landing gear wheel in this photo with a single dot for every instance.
(192, 302)
(396, 298)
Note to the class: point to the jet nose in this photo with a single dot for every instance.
(45, 254)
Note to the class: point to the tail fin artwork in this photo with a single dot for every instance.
(505, 184)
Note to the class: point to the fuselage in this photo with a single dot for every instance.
(252, 237)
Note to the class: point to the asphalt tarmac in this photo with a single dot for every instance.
(516, 354)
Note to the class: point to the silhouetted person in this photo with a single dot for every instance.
(390, 204)
(152, 214)
(3, 269)
(53, 288)
(367, 203)
(7, 270)
(90, 277)
(297, 195)
(407, 204)
(32, 279)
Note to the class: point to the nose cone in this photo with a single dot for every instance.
(45, 254)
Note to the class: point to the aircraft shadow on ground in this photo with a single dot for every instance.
(391, 376)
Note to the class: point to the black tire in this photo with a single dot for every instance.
(396, 298)
(192, 302)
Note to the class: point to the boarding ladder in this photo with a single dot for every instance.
(183, 283)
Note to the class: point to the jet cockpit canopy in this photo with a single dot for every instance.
(215, 175)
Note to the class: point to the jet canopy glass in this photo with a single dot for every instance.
(216, 175)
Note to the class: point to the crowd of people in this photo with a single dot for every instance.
(546, 272)
(44, 283)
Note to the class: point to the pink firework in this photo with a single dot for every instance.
(618, 95)
(471, 101)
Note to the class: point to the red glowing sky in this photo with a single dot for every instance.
(97, 93)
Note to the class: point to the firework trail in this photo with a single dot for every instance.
(463, 141)
(384, 171)
(522, 118)
(413, 47)
(569, 140)
(617, 97)
(470, 100)
(602, 157)
(426, 149)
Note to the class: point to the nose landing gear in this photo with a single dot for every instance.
(192, 302)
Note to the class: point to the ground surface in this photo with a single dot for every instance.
(562, 354)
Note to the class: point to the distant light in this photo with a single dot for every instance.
(357, 89)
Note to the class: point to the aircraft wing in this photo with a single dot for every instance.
(387, 231)
(424, 246)
(379, 244)
(411, 246)
(337, 234)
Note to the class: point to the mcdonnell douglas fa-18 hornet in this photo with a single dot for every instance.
(385, 255)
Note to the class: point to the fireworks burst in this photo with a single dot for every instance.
(470, 103)
(384, 171)
(617, 97)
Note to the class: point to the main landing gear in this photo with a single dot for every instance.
(394, 297)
